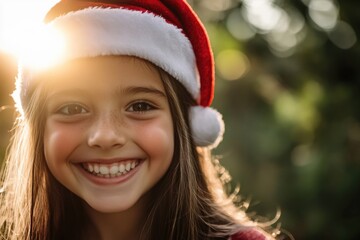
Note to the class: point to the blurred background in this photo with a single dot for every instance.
(288, 85)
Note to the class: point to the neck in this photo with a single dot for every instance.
(124, 225)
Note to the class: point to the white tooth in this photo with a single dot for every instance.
(128, 166)
(114, 169)
(104, 170)
(133, 164)
(96, 168)
(118, 174)
(121, 167)
(90, 167)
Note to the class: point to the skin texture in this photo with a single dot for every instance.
(107, 110)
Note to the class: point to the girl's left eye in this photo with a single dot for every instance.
(72, 109)
(140, 107)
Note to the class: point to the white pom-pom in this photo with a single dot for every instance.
(207, 126)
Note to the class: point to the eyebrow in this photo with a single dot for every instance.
(129, 90)
(137, 90)
(75, 91)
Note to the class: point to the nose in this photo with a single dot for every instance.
(106, 132)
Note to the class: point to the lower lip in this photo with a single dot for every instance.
(111, 180)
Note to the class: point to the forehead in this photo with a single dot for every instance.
(100, 72)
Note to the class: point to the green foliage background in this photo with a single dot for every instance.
(292, 117)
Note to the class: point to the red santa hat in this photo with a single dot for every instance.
(167, 33)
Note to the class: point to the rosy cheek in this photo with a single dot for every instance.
(59, 140)
(158, 139)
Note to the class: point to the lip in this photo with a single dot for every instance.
(108, 181)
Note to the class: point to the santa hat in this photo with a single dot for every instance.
(167, 33)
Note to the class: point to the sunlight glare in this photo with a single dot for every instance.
(44, 50)
(23, 34)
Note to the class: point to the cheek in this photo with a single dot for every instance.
(59, 141)
(157, 139)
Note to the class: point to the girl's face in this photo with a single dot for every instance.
(109, 132)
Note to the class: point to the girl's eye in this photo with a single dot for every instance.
(140, 107)
(72, 109)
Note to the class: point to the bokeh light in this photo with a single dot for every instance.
(218, 5)
(324, 13)
(238, 27)
(343, 35)
(282, 32)
(262, 14)
(232, 64)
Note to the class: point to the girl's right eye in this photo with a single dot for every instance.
(72, 109)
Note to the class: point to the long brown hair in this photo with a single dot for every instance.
(189, 202)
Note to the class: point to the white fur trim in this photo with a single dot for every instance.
(207, 126)
(103, 31)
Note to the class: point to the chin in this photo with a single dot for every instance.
(112, 205)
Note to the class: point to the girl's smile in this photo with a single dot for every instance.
(108, 132)
(110, 173)
(110, 170)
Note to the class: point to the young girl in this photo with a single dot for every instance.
(113, 141)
